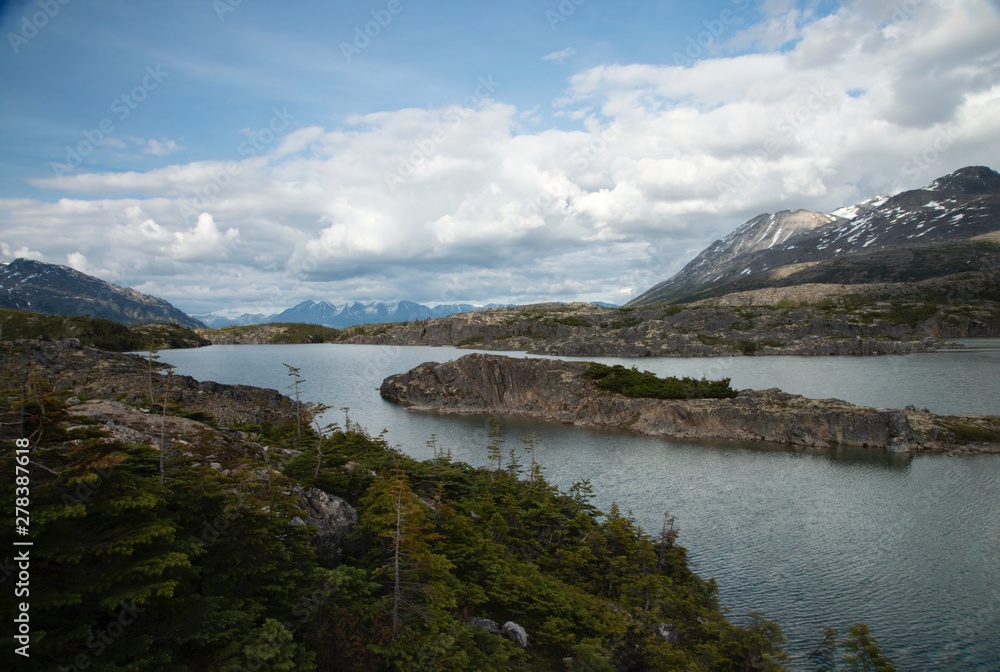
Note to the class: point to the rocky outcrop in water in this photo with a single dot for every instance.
(560, 391)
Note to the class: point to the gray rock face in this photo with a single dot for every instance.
(333, 517)
(666, 632)
(515, 633)
(559, 391)
(487, 624)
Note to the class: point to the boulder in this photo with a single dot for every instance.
(333, 519)
(486, 624)
(667, 632)
(515, 633)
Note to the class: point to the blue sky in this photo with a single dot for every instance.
(234, 156)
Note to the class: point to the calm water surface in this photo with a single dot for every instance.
(910, 546)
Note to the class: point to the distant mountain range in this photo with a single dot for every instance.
(347, 314)
(51, 289)
(938, 230)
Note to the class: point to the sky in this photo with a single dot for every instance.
(239, 156)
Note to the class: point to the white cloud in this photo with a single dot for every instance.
(160, 147)
(22, 252)
(203, 242)
(77, 261)
(462, 204)
(561, 55)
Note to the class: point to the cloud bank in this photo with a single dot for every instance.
(465, 204)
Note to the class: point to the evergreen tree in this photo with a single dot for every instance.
(494, 449)
(417, 576)
(824, 656)
(862, 652)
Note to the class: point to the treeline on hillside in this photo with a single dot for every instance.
(96, 332)
(145, 564)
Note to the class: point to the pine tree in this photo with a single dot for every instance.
(296, 374)
(154, 356)
(862, 652)
(494, 450)
(417, 577)
(824, 656)
(534, 469)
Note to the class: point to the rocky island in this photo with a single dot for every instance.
(562, 391)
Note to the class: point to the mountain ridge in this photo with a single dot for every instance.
(348, 314)
(881, 238)
(53, 289)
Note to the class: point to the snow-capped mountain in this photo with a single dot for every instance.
(862, 208)
(724, 257)
(345, 314)
(882, 232)
(26, 284)
(370, 312)
(213, 321)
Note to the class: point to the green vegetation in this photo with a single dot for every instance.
(572, 321)
(708, 339)
(671, 310)
(470, 341)
(282, 332)
(624, 324)
(207, 571)
(96, 332)
(152, 560)
(645, 384)
(297, 332)
(911, 314)
(860, 652)
(966, 432)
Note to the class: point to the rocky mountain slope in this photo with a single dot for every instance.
(562, 392)
(96, 332)
(51, 289)
(946, 227)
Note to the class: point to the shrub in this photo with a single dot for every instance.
(572, 321)
(645, 384)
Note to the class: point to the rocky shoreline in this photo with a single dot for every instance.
(560, 391)
(88, 373)
(583, 330)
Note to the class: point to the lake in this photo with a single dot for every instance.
(908, 544)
